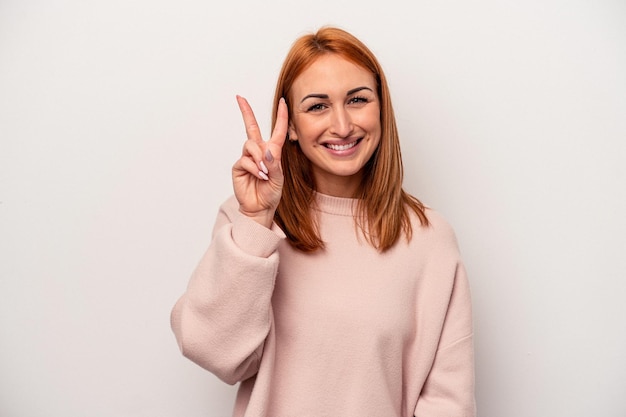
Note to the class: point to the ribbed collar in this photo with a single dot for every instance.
(335, 205)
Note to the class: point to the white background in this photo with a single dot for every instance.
(118, 128)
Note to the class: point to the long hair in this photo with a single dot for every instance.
(383, 209)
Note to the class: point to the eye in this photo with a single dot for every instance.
(358, 100)
(316, 107)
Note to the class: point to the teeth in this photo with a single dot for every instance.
(341, 147)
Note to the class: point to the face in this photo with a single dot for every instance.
(335, 117)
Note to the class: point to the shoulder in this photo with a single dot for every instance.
(439, 233)
(438, 222)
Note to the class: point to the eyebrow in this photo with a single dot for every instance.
(325, 96)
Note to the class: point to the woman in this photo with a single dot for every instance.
(327, 290)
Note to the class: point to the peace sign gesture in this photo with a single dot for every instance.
(258, 175)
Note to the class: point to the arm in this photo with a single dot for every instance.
(449, 388)
(222, 320)
(224, 316)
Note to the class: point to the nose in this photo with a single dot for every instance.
(341, 122)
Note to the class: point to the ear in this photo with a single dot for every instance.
(291, 131)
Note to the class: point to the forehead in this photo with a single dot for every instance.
(332, 72)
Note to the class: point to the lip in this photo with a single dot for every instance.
(342, 148)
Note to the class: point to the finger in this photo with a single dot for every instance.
(253, 150)
(252, 127)
(279, 134)
(247, 166)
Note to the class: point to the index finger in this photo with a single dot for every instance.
(253, 132)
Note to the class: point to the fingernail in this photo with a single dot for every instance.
(264, 168)
(268, 156)
(263, 175)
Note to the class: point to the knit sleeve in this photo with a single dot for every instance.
(224, 316)
(449, 387)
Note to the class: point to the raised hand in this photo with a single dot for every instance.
(258, 175)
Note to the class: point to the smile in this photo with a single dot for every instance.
(342, 147)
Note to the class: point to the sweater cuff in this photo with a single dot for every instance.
(253, 238)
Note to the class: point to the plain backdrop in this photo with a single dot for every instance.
(119, 126)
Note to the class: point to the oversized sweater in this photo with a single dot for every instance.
(346, 331)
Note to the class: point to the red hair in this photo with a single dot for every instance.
(383, 210)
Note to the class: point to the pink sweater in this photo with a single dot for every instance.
(344, 332)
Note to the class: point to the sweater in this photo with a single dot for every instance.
(345, 331)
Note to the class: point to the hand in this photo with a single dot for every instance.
(258, 175)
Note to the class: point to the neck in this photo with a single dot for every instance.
(345, 187)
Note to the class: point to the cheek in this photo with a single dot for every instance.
(373, 126)
(370, 120)
(307, 128)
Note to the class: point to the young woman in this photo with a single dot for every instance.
(327, 290)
